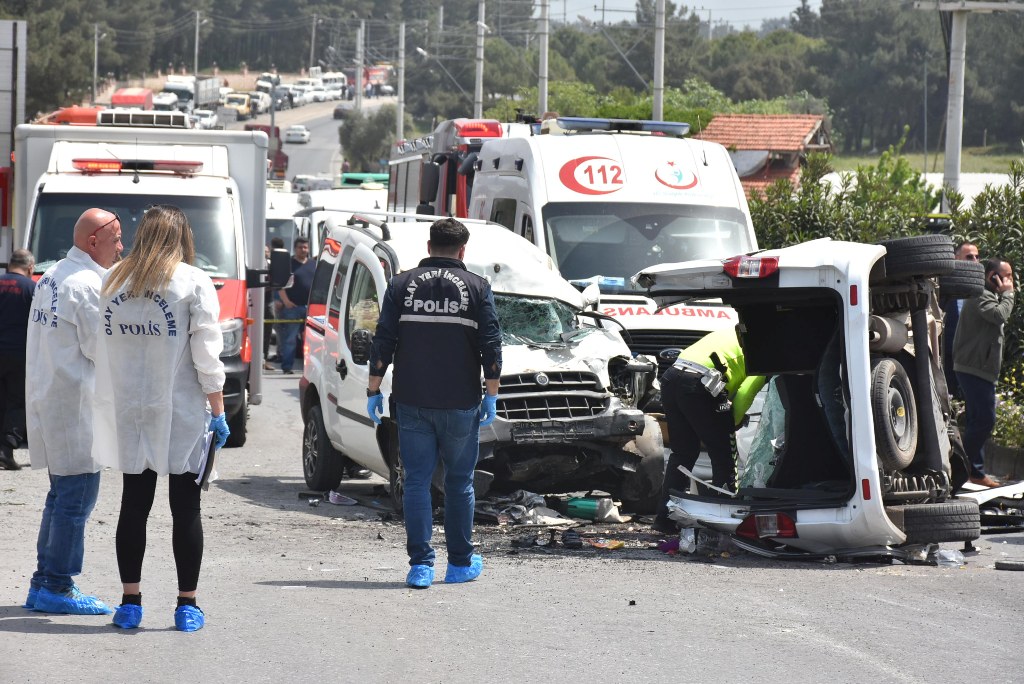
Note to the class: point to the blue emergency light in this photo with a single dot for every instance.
(577, 123)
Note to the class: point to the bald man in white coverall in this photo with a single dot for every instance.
(63, 327)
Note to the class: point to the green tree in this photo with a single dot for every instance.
(366, 140)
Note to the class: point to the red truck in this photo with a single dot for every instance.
(132, 98)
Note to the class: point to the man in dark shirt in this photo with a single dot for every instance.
(439, 326)
(16, 289)
(293, 305)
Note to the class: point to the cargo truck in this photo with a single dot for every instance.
(202, 92)
(132, 98)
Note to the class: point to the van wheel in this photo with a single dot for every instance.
(322, 464)
(950, 521)
(895, 414)
(921, 255)
(966, 281)
(238, 425)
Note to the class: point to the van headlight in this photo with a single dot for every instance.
(232, 331)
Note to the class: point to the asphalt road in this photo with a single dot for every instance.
(300, 593)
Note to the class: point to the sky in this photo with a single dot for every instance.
(739, 14)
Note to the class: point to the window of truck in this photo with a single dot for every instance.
(211, 218)
(614, 240)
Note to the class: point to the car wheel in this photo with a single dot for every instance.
(396, 484)
(322, 465)
(238, 425)
(949, 521)
(922, 255)
(966, 281)
(895, 414)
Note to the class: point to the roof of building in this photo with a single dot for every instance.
(772, 132)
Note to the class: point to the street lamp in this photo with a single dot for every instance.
(195, 62)
(426, 55)
(96, 38)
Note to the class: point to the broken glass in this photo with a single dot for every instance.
(537, 321)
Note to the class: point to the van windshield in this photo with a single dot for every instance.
(614, 240)
(534, 321)
(212, 219)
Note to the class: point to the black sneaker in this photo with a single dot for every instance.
(7, 461)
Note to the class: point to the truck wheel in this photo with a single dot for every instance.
(895, 414)
(950, 521)
(922, 255)
(966, 281)
(322, 465)
(238, 424)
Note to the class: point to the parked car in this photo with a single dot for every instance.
(386, 89)
(342, 110)
(205, 118)
(296, 133)
(856, 452)
(569, 411)
(318, 93)
(301, 95)
(259, 102)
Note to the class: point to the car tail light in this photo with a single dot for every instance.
(764, 525)
(750, 266)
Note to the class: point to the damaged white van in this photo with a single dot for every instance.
(860, 456)
(569, 410)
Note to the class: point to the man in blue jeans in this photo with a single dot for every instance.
(978, 358)
(64, 322)
(439, 326)
(292, 307)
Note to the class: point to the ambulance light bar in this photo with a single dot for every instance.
(573, 123)
(184, 168)
(478, 128)
(750, 266)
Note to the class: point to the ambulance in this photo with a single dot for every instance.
(130, 160)
(605, 198)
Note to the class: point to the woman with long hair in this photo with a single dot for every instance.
(159, 382)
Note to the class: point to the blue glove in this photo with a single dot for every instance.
(375, 407)
(488, 409)
(219, 425)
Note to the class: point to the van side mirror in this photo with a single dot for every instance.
(591, 296)
(280, 267)
(360, 345)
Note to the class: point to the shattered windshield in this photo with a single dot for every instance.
(607, 242)
(535, 321)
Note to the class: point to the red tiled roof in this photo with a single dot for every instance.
(762, 179)
(772, 132)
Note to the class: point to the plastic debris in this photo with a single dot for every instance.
(949, 558)
(340, 499)
(687, 540)
(610, 544)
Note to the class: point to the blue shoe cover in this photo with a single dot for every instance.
(189, 619)
(465, 573)
(128, 616)
(420, 576)
(74, 602)
(30, 602)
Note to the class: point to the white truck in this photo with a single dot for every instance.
(130, 161)
(193, 92)
(604, 198)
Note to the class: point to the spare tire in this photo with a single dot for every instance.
(921, 255)
(966, 281)
(895, 414)
(950, 521)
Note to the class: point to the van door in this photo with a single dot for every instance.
(364, 293)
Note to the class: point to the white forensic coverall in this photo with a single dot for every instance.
(59, 371)
(157, 358)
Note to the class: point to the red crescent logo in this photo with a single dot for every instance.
(674, 177)
(567, 174)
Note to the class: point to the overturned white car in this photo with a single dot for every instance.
(856, 451)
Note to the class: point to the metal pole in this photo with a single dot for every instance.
(400, 123)
(478, 90)
(195, 62)
(658, 101)
(542, 82)
(312, 43)
(955, 109)
(359, 67)
(95, 58)
(925, 135)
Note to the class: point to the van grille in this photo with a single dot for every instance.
(653, 342)
(565, 394)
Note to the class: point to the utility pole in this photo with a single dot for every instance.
(195, 61)
(957, 64)
(542, 82)
(658, 100)
(400, 124)
(925, 135)
(478, 90)
(312, 44)
(359, 66)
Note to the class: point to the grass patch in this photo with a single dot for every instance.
(992, 159)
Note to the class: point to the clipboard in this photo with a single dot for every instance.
(207, 469)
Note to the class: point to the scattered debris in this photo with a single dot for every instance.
(340, 499)
(1009, 565)
(610, 544)
(571, 539)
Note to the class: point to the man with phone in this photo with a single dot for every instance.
(978, 354)
(966, 251)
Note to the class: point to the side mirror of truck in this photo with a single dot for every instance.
(280, 267)
(360, 345)
(430, 177)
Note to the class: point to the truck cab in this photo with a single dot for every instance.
(129, 161)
